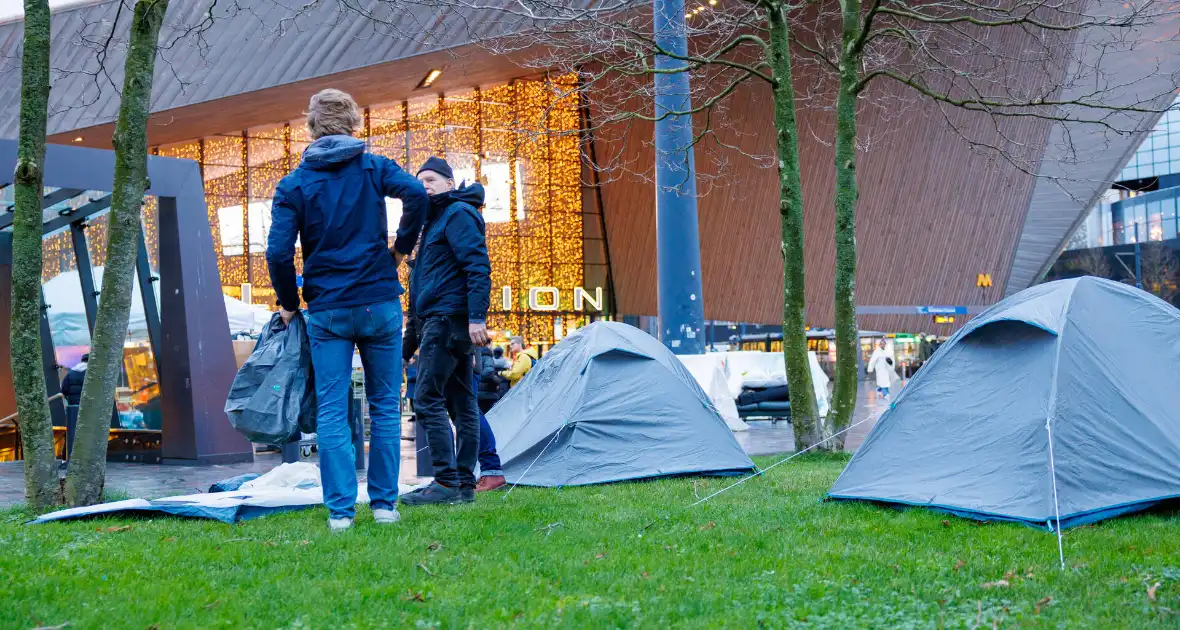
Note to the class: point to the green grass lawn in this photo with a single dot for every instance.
(767, 553)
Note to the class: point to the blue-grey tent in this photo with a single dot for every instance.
(610, 403)
(1058, 404)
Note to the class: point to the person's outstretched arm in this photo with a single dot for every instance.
(399, 184)
(280, 249)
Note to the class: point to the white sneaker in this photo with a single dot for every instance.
(387, 517)
(339, 524)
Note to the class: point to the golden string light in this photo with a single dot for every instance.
(525, 131)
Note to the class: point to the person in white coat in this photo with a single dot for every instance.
(881, 365)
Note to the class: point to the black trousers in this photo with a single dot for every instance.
(444, 394)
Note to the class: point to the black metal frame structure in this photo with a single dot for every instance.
(188, 334)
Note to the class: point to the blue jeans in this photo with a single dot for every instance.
(489, 459)
(376, 330)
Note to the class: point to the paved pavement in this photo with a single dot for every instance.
(153, 481)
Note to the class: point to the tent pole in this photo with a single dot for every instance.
(1056, 505)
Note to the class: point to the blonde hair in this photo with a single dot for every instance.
(332, 113)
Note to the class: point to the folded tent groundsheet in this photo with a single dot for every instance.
(1057, 404)
(611, 403)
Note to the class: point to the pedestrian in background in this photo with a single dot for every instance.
(334, 205)
(490, 475)
(881, 365)
(71, 385)
(489, 379)
(522, 363)
(502, 362)
(411, 381)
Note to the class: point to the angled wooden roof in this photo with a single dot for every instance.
(250, 45)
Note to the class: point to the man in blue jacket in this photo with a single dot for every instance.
(450, 288)
(334, 203)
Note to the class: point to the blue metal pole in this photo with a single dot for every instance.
(678, 245)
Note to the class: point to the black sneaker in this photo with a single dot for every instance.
(467, 494)
(434, 494)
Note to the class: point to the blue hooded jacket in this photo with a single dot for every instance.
(334, 203)
(452, 273)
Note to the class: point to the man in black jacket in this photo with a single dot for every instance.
(71, 385)
(490, 475)
(488, 379)
(450, 287)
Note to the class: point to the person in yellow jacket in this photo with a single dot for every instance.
(523, 362)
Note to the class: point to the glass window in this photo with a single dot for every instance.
(258, 219)
(464, 166)
(1169, 218)
(393, 215)
(497, 174)
(1139, 231)
(1155, 228)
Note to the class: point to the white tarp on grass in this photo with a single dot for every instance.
(285, 488)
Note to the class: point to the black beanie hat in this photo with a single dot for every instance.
(438, 165)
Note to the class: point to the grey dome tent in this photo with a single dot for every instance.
(610, 403)
(1057, 405)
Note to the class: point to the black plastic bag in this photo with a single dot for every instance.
(272, 398)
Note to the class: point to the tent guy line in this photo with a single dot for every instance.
(784, 460)
(526, 470)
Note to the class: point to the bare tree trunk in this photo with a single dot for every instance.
(804, 418)
(42, 488)
(847, 332)
(87, 473)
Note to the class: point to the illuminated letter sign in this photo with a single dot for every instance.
(983, 280)
(581, 297)
(535, 301)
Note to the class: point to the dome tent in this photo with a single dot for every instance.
(611, 403)
(1055, 405)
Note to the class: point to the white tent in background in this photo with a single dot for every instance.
(769, 369)
(710, 372)
(67, 311)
